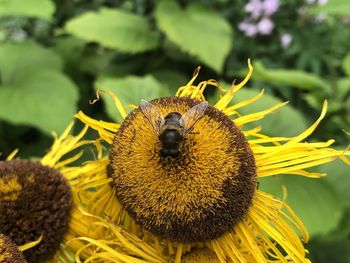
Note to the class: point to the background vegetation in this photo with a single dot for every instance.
(54, 55)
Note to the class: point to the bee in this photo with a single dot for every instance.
(174, 127)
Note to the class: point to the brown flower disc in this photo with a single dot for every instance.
(200, 195)
(35, 200)
(9, 252)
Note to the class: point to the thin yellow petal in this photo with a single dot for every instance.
(226, 99)
(30, 244)
(232, 109)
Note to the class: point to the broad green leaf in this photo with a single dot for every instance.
(43, 98)
(172, 79)
(286, 121)
(115, 29)
(197, 30)
(333, 247)
(70, 48)
(343, 89)
(31, 8)
(130, 90)
(327, 249)
(339, 177)
(17, 59)
(346, 64)
(333, 7)
(315, 201)
(294, 78)
(175, 53)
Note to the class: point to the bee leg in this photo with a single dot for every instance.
(154, 154)
(193, 132)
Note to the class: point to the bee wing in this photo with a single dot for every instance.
(190, 117)
(153, 115)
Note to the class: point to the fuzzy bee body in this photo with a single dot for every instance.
(172, 129)
(171, 136)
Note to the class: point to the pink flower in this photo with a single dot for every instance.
(270, 7)
(265, 26)
(286, 40)
(254, 7)
(249, 29)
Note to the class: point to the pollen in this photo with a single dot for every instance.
(9, 252)
(196, 197)
(9, 189)
(35, 202)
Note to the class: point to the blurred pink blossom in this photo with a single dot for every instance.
(254, 7)
(259, 21)
(265, 26)
(249, 29)
(286, 40)
(270, 7)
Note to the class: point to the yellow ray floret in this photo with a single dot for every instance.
(268, 232)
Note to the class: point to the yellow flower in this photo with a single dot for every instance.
(203, 205)
(36, 199)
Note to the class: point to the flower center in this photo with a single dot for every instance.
(9, 252)
(35, 201)
(197, 196)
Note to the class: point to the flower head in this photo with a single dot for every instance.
(203, 204)
(36, 199)
(286, 40)
(248, 28)
(270, 7)
(254, 7)
(9, 252)
(265, 26)
(259, 21)
(211, 183)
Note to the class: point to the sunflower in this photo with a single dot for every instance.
(36, 199)
(202, 204)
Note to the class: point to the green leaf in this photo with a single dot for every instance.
(197, 30)
(346, 64)
(339, 177)
(43, 98)
(286, 121)
(18, 59)
(343, 88)
(327, 249)
(333, 247)
(315, 201)
(33, 91)
(334, 7)
(130, 90)
(115, 29)
(294, 78)
(171, 79)
(32, 8)
(70, 48)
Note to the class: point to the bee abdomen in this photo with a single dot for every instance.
(170, 143)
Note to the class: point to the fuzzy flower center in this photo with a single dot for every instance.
(35, 202)
(9, 252)
(198, 196)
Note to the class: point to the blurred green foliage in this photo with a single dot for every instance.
(54, 55)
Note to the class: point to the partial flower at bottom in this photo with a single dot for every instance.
(9, 252)
(36, 199)
(147, 207)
